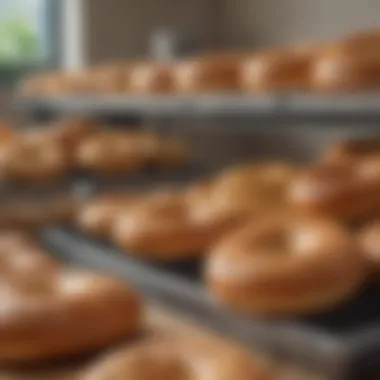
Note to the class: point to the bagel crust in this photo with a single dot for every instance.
(179, 359)
(346, 192)
(283, 266)
(48, 311)
(350, 152)
(162, 227)
(369, 240)
(208, 74)
(97, 215)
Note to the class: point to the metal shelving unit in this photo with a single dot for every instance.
(337, 108)
(329, 351)
(176, 287)
(320, 342)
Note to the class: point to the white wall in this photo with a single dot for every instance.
(270, 22)
(121, 28)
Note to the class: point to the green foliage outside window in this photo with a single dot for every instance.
(19, 41)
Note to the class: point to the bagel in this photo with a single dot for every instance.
(115, 151)
(178, 224)
(97, 215)
(161, 228)
(348, 192)
(49, 311)
(34, 156)
(71, 132)
(276, 71)
(166, 225)
(208, 74)
(150, 78)
(112, 78)
(349, 152)
(349, 65)
(285, 265)
(254, 187)
(6, 132)
(47, 84)
(176, 359)
(358, 43)
(342, 71)
(369, 240)
(31, 86)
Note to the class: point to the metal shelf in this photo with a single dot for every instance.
(348, 107)
(313, 342)
(157, 105)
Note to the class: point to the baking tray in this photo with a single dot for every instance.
(343, 344)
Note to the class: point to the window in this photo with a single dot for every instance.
(25, 35)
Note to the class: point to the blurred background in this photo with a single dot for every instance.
(73, 34)
(35, 30)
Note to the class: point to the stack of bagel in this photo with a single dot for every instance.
(53, 312)
(276, 238)
(37, 165)
(347, 64)
(43, 155)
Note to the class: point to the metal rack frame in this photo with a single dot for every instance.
(286, 107)
(358, 353)
(347, 356)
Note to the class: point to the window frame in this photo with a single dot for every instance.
(10, 73)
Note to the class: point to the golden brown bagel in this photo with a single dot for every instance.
(160, 228)
(177, 224)
(114, 152)
(362, 42)
(34, 156)
(200, 190)
(150, 78)
(31, 86)
(349, 152)
(285, 265)
(208, 74)
(345, 71)
(71, 132)
(47, 84)
(112, 78)
(48, 311)
(179, 358)
(6, 133)
(346, 192)
(283, 70)
(75, 82)
(96, 216)
(165, 227)
(254, 188)
(369, 241)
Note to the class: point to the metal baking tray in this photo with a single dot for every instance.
(342, 344)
